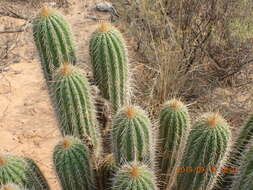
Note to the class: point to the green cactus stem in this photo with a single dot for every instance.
(22, 171)
(173, 131)
(205, 152)
(109, 61)
(74, 106)
(244, 179)
(132, 136)
(53, 40)
(73, 165)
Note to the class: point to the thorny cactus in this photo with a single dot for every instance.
(54, 41)
(134, 176)
(22, 171)
(173, 131)
(132, 136)
(73, 165)
(10, 186)
(244, 179)
(108, 54)
(205, 152)
(244, 139)
(106, 171)
(74, 105)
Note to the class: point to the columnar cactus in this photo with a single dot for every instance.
(134, 176)
(106, 171)
(54, 41)
(244, 179)
(205, 152)
(108, 54)
(19, 170)
(74, 105)
(244, 139)
(73, 165)
(10, 186)
(173, 131)
(131, 136)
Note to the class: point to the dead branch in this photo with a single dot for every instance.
(12, 31)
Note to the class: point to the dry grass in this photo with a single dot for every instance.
(191, 50)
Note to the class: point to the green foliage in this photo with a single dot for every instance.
(134, 176)
(206, 148)
(22, 171)
(73, 165)
(173, 131)
(131, 136)
(54, 41)
(110, 65)
(244, 179)
(74, 105)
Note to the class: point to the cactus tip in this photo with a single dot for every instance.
(45, 12)
(135, 171)
(130, 111)
(2, 160)
(66, 143)
(104, 27)
(213, 119)
(175, 104)
(65, 69)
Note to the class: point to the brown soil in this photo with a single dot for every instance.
(27, 123)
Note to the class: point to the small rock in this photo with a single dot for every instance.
(104, 6)
(92, 17)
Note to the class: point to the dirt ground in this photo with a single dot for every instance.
(27, 123)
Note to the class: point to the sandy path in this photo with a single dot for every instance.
(27, 123)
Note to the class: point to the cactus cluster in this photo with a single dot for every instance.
(140, 155)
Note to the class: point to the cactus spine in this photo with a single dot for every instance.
(244, 179)
(205, 152)
(54, 41)
(74, 105)
(134, 176)
(174, 128)
(10, 186)
(110, 65)
(131, 136)
(73, 165)
(15, 169)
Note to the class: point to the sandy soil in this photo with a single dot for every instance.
(27, 123)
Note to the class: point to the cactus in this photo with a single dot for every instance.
(74, 106)
(131, 136)
(73, 165)
(110, 65)
(134, 176)
(106, 171)
(244, 139)
(244, 179)
(10, 186)
(21, 171)
(205, 152)
(54, 41)
(174, 128)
